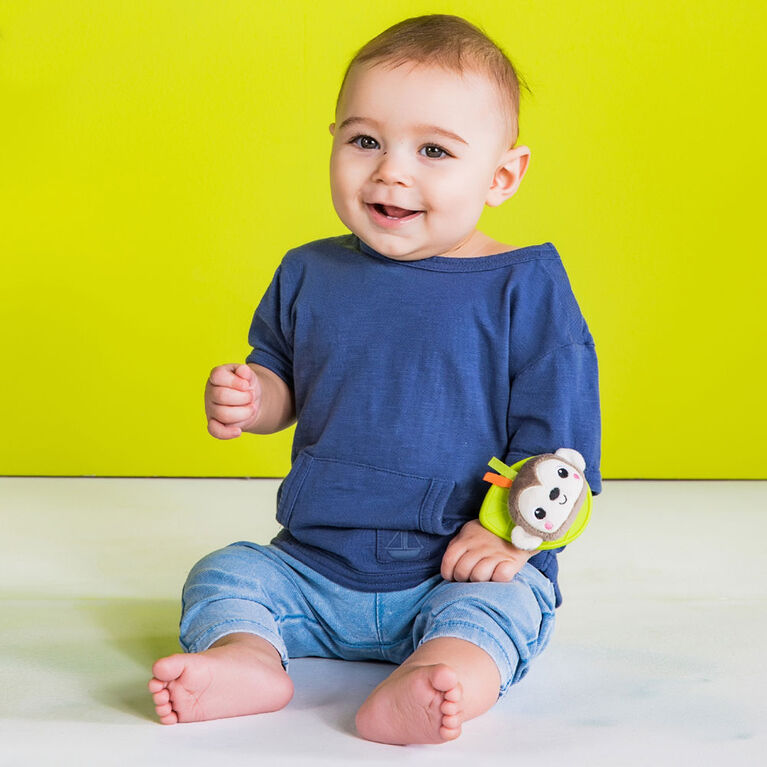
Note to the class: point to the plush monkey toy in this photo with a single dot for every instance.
(541, 502)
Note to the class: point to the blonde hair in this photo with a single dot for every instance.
(449, 42)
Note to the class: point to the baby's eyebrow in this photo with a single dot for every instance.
(354, 120)
(420, 128)
(441, 132)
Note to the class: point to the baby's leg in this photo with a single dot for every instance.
(239, 674)
(445, 682)
(476, 640)
(235, 652)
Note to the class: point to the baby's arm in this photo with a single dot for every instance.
(247, 398)
(476, 554)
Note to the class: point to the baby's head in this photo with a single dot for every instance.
(426, 122)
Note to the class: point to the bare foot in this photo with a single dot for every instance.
(416, 704)
(242, 674)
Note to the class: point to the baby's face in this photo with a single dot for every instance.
(415, 153)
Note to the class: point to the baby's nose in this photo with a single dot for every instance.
(392, 169)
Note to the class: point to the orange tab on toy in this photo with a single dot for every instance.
(497, 479)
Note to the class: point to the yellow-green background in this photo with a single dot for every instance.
(157, 157)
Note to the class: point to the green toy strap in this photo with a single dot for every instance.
(502, 468)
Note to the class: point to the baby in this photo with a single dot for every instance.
(408, 353)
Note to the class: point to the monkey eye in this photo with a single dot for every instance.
(539, 513)
(563, 473)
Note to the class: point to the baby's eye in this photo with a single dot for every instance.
(434, 152)
(365, 142)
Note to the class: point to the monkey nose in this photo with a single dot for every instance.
(554, 494)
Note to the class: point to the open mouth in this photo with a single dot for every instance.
(393, 213)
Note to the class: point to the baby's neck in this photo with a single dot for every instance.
(478, 245)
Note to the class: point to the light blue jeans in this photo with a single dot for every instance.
(261, 590)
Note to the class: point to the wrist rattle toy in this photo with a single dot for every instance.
(542, 502)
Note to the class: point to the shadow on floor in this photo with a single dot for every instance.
(141, 631)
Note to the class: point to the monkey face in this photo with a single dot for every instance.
(546, 505)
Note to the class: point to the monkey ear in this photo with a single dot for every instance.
(572, 456)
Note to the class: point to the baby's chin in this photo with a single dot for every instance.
(412, 257)
(398, 250)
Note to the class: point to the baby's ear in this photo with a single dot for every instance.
(508, 175)
(573, 457)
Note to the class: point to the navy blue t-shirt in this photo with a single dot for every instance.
(408, 377)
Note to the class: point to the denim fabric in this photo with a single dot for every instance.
(262, 590)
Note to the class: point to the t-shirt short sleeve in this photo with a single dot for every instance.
(270, 334)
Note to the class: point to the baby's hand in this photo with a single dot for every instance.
(232, 400)
(476, 554)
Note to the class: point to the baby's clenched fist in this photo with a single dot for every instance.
(232, 400)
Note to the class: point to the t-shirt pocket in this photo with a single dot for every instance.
(363, 514)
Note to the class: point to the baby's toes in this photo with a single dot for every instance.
(450, 733)
(450, 708)
(454, 694)
(161, 697)
(164, 709)
(452, 722)
(171, 718)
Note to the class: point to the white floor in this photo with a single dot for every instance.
(657, 658)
